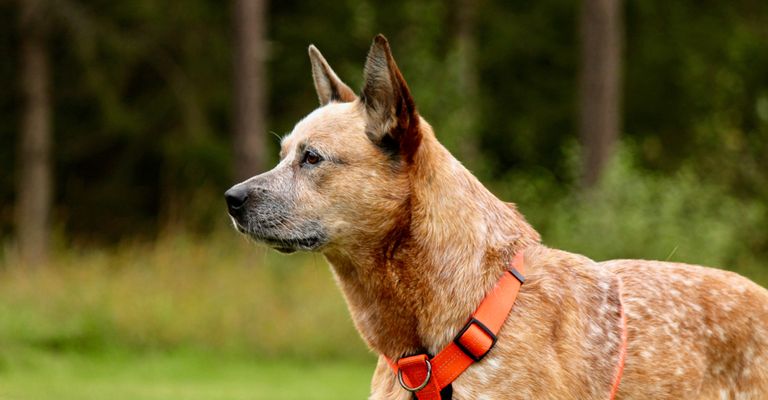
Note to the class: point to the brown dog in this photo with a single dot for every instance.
(416, 242)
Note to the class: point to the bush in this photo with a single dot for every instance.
(636, 214)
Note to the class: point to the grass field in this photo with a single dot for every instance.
(180, 318)
(32, 375)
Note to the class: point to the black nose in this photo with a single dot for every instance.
(236, 198)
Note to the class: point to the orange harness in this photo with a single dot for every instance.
(430, 378)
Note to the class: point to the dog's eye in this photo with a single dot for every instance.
(311, 158)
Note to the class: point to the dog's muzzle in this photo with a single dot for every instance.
(266, 218)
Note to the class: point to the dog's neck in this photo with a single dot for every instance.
(414, 289)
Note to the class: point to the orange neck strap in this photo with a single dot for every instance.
(426, 376)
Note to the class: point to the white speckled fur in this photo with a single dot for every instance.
(416, 241)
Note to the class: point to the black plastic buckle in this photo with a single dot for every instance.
(517, 274)
(485, 329)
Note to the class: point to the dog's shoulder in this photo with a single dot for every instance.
(553, 271)
(568, 315)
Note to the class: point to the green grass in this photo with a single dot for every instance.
(32, 374)
(181, 318)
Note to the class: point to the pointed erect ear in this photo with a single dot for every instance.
(392, 120)
(329, 87)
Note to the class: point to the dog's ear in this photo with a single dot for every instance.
(328, 85)
(392, 120)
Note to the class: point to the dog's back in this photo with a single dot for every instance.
(694, 332)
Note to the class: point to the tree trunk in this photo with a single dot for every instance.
(466, 12)
(250, 87)
(33, 202)
(601, 32)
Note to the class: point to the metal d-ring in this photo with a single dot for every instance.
(423, 384)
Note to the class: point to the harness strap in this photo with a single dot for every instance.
(430, 378)
(622, 347)
(426, 376)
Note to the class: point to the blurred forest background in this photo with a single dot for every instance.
(621, 128)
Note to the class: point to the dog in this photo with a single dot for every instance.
(416, 242)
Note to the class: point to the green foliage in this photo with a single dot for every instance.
(143, 95)
(635, 214)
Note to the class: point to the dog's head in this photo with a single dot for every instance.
(343, 171)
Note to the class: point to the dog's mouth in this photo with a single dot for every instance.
(291, 245)
(282, 244)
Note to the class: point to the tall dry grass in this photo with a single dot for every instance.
(217, 293)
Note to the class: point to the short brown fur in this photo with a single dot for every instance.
(416, 241)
